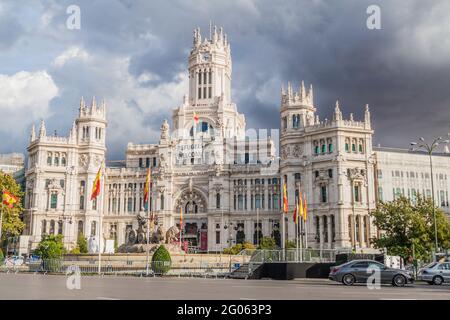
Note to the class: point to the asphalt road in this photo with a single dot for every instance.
(31, 286)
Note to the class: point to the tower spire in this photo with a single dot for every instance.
(33, 133)
(42, 129)
(302, 91)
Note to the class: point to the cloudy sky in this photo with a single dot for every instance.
(134, 54)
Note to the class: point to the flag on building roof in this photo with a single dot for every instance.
(9, 199)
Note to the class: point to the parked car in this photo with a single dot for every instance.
(435, 273)
(357, 271)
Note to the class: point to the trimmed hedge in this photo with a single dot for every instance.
(161, 260)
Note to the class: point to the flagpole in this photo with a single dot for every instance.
(148, 234)
(100, 227)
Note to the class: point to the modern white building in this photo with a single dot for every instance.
(226, 179)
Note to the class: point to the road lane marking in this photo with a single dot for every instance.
(107, 298)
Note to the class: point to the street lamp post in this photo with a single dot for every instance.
(429, 148)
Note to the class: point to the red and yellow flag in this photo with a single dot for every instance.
(295, 217)
(285, 198)
(305, 210)
(9, 199)
(300, 205)
(96, 187)
(196, 118)
(148, 180)
(181, 218)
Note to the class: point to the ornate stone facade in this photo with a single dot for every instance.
(225, 179)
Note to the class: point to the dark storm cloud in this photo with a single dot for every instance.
(402, 71)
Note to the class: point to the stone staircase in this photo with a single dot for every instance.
(244, 272)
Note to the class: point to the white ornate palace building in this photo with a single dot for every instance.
(226, 179)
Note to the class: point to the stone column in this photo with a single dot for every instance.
(321, 232)
(361, 231)
(330, 236)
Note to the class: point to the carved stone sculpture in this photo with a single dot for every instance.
(171, 234)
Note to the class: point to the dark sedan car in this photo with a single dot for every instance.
(359, 271)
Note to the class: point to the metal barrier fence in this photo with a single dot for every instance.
(129, 267)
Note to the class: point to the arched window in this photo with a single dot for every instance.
(44, 227)
(57, 159)
(49, 159)
(63, 160)
(60, 227)
(325, 228)
(80, 228)
(93, 228)
(52, 227)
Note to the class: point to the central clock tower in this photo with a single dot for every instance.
(209, 68)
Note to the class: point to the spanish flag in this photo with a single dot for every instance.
(196, 118)
(301, 212)
(305, 210)
(285, 198)
(148, 179)
(96, 187)
(296, 214)
(9, 199)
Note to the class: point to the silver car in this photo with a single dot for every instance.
(435, 273)
(359, 271)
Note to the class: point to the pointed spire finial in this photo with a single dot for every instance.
(33, 133)
(302, 90)
(42, 129)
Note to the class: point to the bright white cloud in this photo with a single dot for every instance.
(70, 54)
(24, 98)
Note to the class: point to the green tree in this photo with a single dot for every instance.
(290, 244)
(50, 247)
(238, 248)
(403, 222)
(267, 243)
(12, 225)
(161, 260)
(82, 243)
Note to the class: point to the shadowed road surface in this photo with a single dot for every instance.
(31, 286)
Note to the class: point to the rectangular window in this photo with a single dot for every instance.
(199, 93)
(357, 194)
(54, 201)
(209, 92)
(330, 173)
(330, 148)
(200, 78)
(323, 194)
(217, 237)
(147, 162)
(140, 162)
